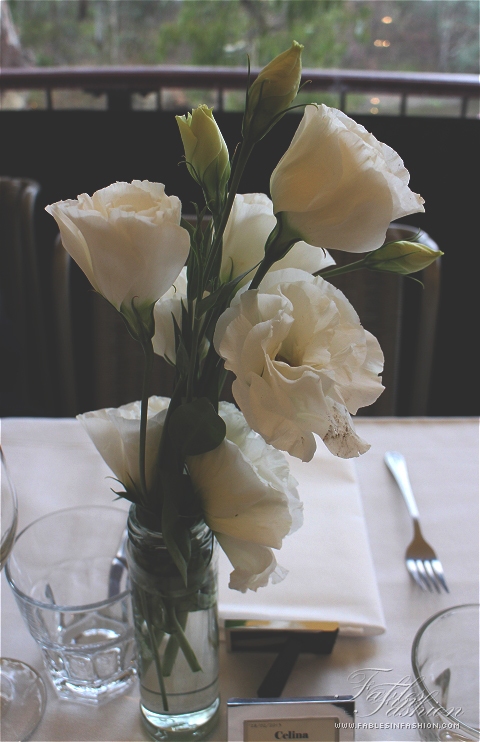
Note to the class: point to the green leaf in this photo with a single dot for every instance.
(126, 496)
(222, 295)
(188, 226)
(182, 359)
(192, 274)
(196, 427)
(186, 329)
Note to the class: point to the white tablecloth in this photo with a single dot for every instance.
(443, 461)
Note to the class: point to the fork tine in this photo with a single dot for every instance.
(438, 569)
(412, 568)
(431, 574)
(423, 575)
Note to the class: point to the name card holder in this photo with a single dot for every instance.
(317, 719)
(287, 639)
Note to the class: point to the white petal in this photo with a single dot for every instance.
(253, 564)
(73, 241)
(338, 186)
(249, 224)
(115, 434)
(301, 370)
(107, 441)
(341, 439)
(126, 238)
(306, 258)
(274, 278)
(249, 499)
(273, 414)
(235, 500)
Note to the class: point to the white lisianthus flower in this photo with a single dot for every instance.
(115, 433)
(250, 222)
(127, 239)
(249, 500)
(303, 363)
(338, 186)
(170, 303)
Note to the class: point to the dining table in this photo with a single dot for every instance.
(442, 459)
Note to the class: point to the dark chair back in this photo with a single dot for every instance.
(26, 387)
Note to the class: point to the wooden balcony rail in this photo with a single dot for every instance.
(118, 83)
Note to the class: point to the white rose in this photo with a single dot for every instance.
(170, 303)
(339, 186)
(302, 362)
(249, 500)
(249, 224)
(115, 433)
(127, 240)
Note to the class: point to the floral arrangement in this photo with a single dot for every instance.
(244, 289)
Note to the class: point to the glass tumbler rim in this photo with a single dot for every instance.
(54, 606)
(416, 670)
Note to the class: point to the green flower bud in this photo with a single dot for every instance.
(401, 257)
(205, 151)
(272, 92)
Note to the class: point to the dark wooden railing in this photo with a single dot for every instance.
(118, 83)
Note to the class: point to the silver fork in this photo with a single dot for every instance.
(421, 560)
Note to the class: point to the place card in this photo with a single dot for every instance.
(317, 719)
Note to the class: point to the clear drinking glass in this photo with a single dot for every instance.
(73, 593)
(22, 691)
(445, 661)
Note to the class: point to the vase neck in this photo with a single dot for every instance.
(150, 536)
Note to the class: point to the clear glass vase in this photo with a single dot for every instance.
(176, 631)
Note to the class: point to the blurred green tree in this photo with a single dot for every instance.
(429, 35)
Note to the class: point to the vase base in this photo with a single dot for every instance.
(182, 727)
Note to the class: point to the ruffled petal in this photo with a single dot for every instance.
(254, 565)
(303, 368)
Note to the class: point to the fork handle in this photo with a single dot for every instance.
(398, 467)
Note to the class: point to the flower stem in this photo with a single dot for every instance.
(357, 265)
(153, 647)
(173, 645)
(187, 650)
(193, 357)
(243, 155)
(281, 239)
(147, 374)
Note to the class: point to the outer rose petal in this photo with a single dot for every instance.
(115, 433)
(338, 186)
(126, 238)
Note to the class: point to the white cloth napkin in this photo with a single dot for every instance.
(55, 465)
(331, 575)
